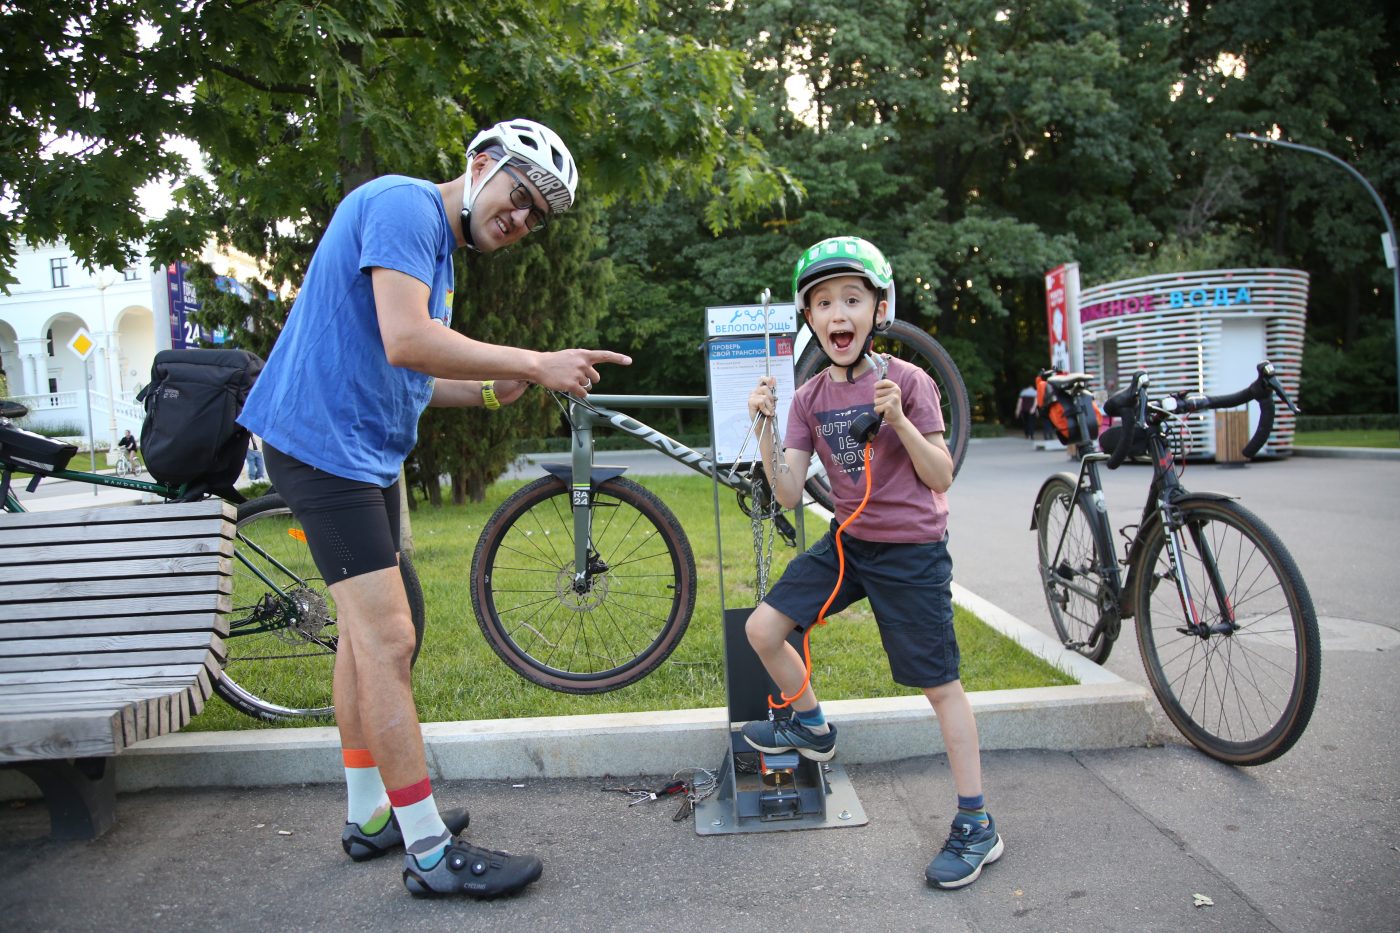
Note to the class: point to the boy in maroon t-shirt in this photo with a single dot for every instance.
(895, 550)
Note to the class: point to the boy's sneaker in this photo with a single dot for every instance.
(970, 846)
(468, 869)
(362, 847)
(786, 735)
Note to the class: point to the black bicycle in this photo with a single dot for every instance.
(1225, 624)
(282, 629)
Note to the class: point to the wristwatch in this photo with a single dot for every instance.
(488, 395)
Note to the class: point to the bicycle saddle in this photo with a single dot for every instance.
(1070, 382)
(9, 409)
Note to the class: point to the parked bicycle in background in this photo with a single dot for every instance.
(1227, 630)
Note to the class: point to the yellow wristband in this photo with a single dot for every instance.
(488, 395)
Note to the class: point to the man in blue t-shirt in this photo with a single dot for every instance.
(365, 349)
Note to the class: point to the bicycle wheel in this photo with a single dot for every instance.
(626, 621)
(282, 632)
(1074, 561)
(124, 467)
(908, 343)
(1244, 691)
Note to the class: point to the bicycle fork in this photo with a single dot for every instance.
(1173, 522)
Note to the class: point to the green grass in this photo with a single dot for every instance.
(1351, 438)
(458, 677)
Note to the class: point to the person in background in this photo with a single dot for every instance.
(1025, 411)
(255, 461)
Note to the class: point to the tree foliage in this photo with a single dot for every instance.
(981, 144)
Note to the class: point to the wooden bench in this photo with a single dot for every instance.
(112, 623)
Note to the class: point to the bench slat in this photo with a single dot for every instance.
(94, 675)
(111, 550)
(125, 533)
(116, 625)
(115, 699)
(60, 735)
(102, 645)
(78, 688)
(114, 514)
(72, 590)
(196, 602)
(114, 659)
(130, 566)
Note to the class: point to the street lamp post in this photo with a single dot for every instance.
(1390, 245)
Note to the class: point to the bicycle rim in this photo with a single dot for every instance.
(1244, 697)
(282, 637)
(906, 342)
(1070, 569)
(633, 611)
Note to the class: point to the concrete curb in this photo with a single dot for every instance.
(1102, 711)
(1351, 453)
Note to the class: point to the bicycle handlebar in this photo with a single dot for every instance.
(1118, 406)
(1133, 399)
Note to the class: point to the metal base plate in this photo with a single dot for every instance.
(739, 804)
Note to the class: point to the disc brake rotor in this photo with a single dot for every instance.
(311, 615)
(570, 598)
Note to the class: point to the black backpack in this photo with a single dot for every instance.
(190, 437)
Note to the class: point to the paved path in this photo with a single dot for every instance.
(1107, 840)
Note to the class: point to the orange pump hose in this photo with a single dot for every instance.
(840, 575)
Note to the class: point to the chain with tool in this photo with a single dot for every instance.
(691, 784)
(762, 504)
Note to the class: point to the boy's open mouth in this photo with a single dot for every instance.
(841, 339)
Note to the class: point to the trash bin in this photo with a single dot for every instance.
(1231, 434)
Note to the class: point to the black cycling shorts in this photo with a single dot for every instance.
(351, 527)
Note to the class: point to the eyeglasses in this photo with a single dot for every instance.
(521, 197)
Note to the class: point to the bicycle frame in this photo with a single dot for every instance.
(1164, 495)
(599, 411)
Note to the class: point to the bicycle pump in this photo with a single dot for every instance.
(757, 792)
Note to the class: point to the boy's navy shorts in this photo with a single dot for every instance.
(910, 588)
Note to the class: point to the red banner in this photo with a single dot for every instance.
(1057, 318)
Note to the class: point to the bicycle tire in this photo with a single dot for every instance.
(909, 343)
(1062, 512)
(124, 467)
(281, 656)
(1272, 660)
(619, 631)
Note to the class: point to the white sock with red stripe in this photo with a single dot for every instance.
(425, 835)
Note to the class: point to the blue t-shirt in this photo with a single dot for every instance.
(328, 395)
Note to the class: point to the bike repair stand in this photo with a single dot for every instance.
(758, 792)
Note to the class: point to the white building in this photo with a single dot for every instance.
(1193, 331)
(126, 312)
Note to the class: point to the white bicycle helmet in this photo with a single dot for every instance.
(538, 150)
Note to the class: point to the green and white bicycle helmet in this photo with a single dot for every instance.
(844, 255)
(539, 152)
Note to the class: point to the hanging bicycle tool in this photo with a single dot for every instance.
(763, 504)
(754, 796)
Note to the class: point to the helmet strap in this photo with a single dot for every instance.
(469, 194)
(864, 352)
